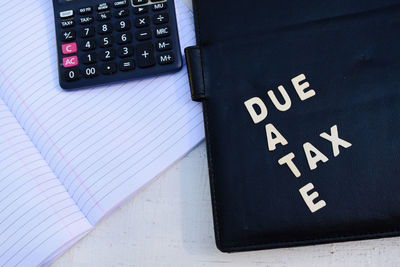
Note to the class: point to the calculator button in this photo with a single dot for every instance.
(71, 75)
(164, 45)
(104, 28)
(70, 62)
(89, 58)
(125, 51)
(109, 68)
(143, 35)
(161, 18)
(85, 10)
(122, 3)
(145, 55)
(165, 59)
(141, 10)
(67, 36)
(159, 6)
(103, 7)
(140, 2)
(162, 32)
(106, 41)
(124, 38)
(67, 23)
(86, 20)
(104, 16)
(126, 65)
(90, 72)
(142, 22)
(69, 48)
(87, 32)
(88, 45)
(107, 54)
(121, 13)
(66, 14)
(123, 25)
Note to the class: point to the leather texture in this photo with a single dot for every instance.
(349, 52)
(195, 72)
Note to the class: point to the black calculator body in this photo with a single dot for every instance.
(100, 41)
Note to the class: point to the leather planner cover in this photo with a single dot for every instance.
(301, 106)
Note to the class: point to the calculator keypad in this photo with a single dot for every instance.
(113, 41)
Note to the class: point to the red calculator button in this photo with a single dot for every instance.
(70, 48)
(69, 62)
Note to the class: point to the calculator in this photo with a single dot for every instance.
(100, 42)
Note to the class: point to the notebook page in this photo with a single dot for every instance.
(104, 143)
(37, 216)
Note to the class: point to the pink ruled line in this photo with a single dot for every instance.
(63, 157)
(51, 203)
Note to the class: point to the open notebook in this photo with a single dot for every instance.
(68, 159)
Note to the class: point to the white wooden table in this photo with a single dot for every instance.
(170, 224)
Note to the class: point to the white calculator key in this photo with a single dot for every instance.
(66, 14)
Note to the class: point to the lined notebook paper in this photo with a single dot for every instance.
(96, 147)
(36, 212)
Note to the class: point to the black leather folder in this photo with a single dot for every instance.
(301, 108)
